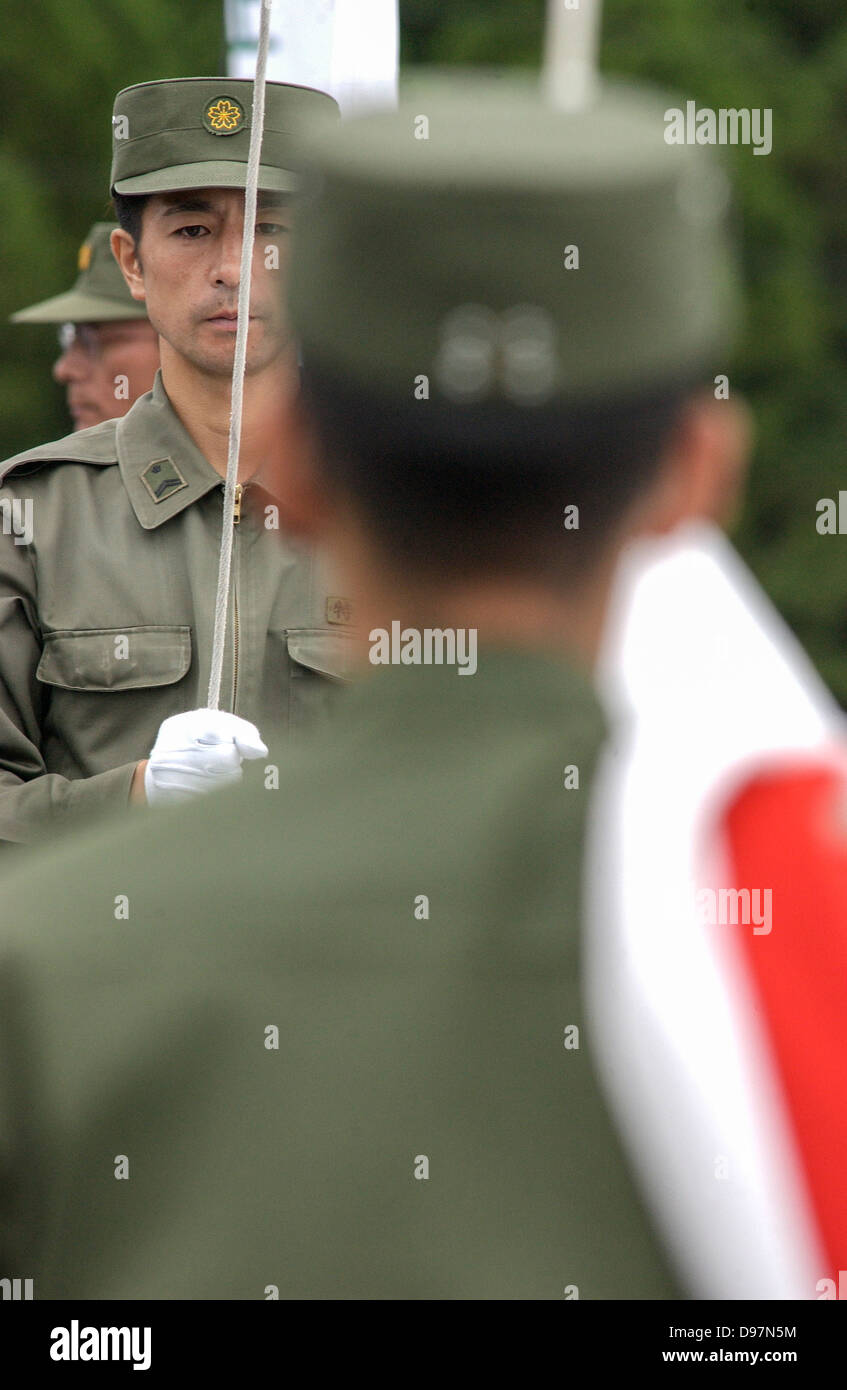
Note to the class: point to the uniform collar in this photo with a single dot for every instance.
(156, 452)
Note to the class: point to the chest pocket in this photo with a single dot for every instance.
(114, 659)
(320, 662)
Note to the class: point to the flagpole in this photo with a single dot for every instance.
(571, 43)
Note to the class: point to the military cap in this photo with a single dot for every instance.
(100, 294)
(502, 251)
(194, 132)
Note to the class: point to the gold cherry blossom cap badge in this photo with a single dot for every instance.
(224, 116)
(194, 132)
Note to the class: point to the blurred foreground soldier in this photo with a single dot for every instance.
(110, 544)
(342, 1053)
(110, 350)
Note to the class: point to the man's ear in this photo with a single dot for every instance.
(123, 250)
(704, 466)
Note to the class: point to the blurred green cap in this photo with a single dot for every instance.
(194, 132)
(511, 252)
(100, 293)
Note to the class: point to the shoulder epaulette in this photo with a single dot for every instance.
(94, 445)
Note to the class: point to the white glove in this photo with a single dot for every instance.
(196, 752)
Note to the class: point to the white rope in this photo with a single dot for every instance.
(240, 362)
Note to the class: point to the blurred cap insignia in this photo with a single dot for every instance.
(83, 260)
(223, 116)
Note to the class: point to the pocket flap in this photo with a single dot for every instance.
(115, 658)
(327, 650)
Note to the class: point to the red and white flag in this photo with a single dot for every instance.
(716, 955)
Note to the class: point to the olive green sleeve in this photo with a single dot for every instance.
(34, 802)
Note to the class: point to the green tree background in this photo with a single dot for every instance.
(61, 64)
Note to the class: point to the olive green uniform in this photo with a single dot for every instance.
(106, 615)
(402, 1037)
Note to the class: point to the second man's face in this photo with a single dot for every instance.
(105, 367)
(190, 259)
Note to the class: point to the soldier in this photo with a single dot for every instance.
(347, 1054)
(109, 551)
(110, 350)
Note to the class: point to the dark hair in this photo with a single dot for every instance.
(473, 490)
(128, 211)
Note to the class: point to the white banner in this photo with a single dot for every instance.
(349, 48)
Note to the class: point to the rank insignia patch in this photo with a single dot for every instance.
(338, 610)
(223, 116)
(162, 478)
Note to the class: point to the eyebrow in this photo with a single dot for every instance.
(189, 205)
(203, 205)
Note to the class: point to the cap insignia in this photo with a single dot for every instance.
(223, 116)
